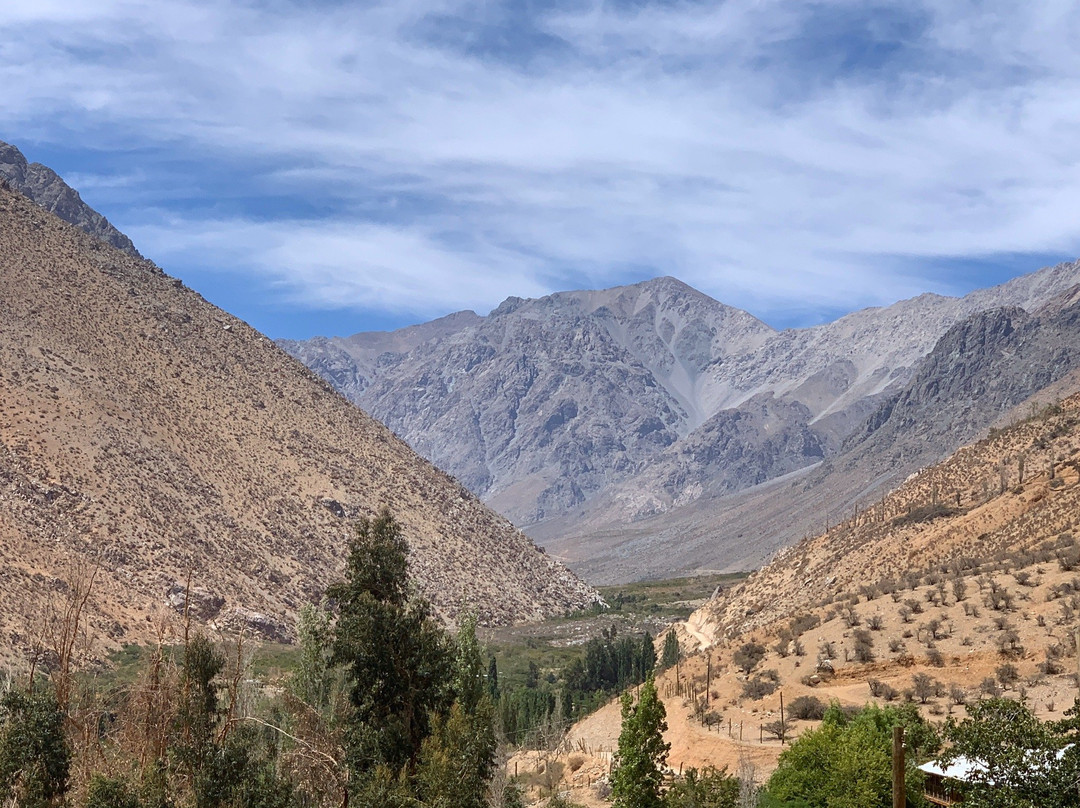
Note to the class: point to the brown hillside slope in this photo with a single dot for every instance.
(143, 428)
(991, 500)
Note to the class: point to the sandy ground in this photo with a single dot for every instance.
(590, 744)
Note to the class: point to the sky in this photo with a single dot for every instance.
(334, 167)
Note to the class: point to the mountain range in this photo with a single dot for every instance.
(649, 430)
(642, 430)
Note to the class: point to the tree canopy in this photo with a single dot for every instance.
(1021, 762)
(847, 761)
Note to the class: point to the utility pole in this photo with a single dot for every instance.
(782, 727)
(899, 799)
(708, 677)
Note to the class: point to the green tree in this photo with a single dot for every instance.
(493, 679)
(34, 754)
(314, 631)
(847, 762)
(642, 753)
(647, 660)
(670, 654)
(399, 661)
(457, 759)
(220, 764)
(1024, 760)
(194, 745)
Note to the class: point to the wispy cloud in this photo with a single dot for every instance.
(793, 158)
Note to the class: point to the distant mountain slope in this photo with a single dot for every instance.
(43, 185)
(978, 371)
(544, 402)
(678, 402)
(143, 428)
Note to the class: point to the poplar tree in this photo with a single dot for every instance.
(458, 758)
(642, 753)
(670, 654)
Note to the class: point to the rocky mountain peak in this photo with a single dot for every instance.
(46, 189)
(490, 401)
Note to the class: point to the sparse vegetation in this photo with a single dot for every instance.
(758, 687)
(748, 656)
(807, 708)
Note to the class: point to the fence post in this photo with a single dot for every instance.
(899, 799)
(782, 725)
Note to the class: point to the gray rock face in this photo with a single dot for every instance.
(543, 403)
(763, 438)
(980, 369)
(984, 367)
(638, 399)
(45, 187)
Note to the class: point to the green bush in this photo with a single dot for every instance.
(110, 792)
(708, 788)
(34, 754)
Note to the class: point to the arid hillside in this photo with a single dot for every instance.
(1006, 501)
(150, 433)
(963, 583)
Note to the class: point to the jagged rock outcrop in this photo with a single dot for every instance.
(45, 187)
(979, 370)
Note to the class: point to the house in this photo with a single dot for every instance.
(941, 785)
(944, 783)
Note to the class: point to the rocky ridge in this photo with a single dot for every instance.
(45, 187)
(979, 371)
(633, 401)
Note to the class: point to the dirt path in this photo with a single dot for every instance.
(695, 628)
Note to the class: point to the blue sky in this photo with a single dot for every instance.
(326, 168)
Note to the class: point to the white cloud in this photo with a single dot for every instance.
(735, 145)
(331, 265)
